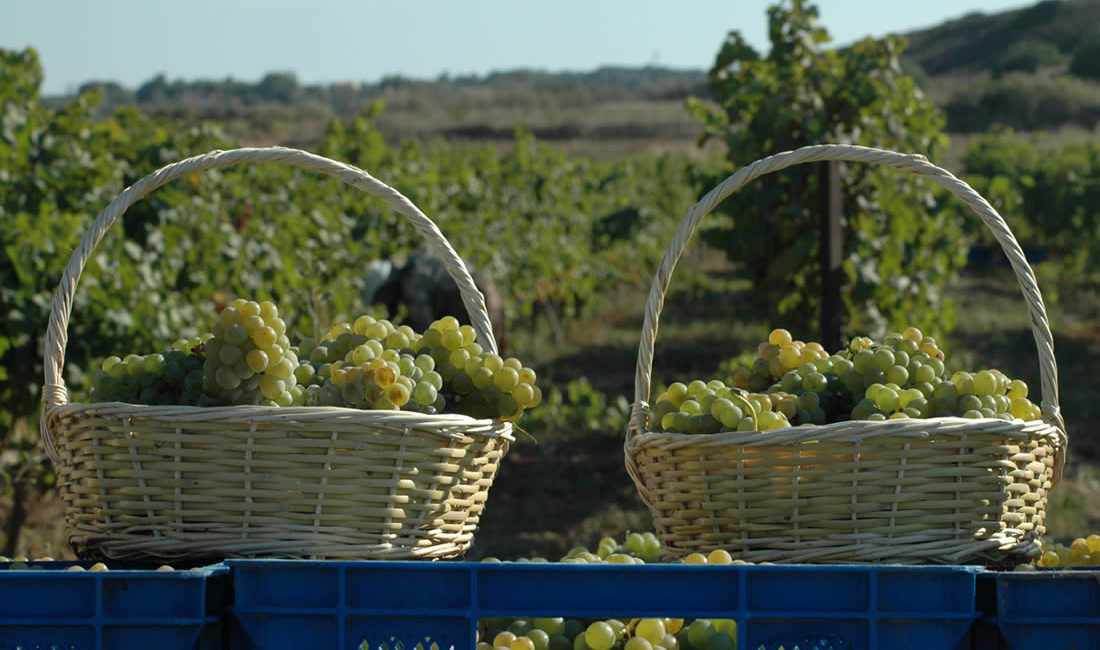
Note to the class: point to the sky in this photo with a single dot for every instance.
(131, 41)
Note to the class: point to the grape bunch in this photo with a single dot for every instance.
(169, 377)
(796, 383)
(1083, 551)
(477, 383)
(369, 364)
(637, 548)
(248, 360)
(374, 364)
(710, 407)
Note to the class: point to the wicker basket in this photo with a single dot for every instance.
(188, 482)
(940, 490)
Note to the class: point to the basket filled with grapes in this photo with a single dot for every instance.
(871, 453)
(373, 441)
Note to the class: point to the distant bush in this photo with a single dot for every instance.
(1049, 195)
(1025, 102)
(1086, 57)
(1026, 56)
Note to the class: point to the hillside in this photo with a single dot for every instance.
(1030, 68)
(974, 43)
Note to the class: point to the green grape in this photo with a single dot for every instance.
(523, 394)
(284, 369)
(791, 381)
(924, 373)
(718, 406)
(1016, 388)
(424, 393)
(251, 323)
(814, 382)
(257, 360)
(266, 337)
(882, 359)
(599, 636)
(271, 386)
(721, 641)
(887, 399)
(397, 340)
(946, 389)
(897, 374)
(305, 373)
(699, 632)
(650, 629)
(968, 403)
(808, 401)
(863, 361)
(226, 378)
(482, 378)
(425, 362)
(398, 394)
(553, 626)
(540, 640)
(236, 335)
(964, 382)
(433, 378)
(901, 358)
(459, 358)
(985, 383)
(229, 316)
(691, 407)
(696, 388)
(452, 339)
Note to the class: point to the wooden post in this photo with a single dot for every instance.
(831, 253)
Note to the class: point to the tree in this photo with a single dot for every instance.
(1026, 56)
(1086, 57)
(279, 87)
(899, 247)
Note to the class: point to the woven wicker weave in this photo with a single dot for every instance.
(941, 490)
(179, 482)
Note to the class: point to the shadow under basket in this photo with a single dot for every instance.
(943, 490)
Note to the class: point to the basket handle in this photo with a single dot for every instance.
(917, 164)
(54, 392)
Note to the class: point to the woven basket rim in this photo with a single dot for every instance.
(191, 413)
(855, 432)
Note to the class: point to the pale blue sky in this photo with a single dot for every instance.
(130, 41)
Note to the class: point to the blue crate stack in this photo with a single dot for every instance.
(295, 604)
(1048, 609)
(103, 610)
(277, 604)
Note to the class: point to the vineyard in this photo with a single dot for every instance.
(572, 243)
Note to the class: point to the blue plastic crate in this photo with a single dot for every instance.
(1048, 609)
(123, 608)
(295, 604)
